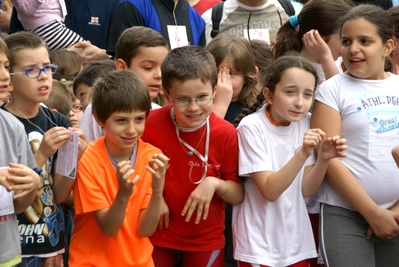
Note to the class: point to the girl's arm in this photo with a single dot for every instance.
(395, 154)
(383, 222)
(313, 176)
(272, 184)
(318, 48)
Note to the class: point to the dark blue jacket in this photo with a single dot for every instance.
(155, 14)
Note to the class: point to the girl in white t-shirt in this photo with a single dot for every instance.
(271, 226)
(361, 192)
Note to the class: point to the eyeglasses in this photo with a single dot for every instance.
(34, 72)
(185, 101)
(76, 108)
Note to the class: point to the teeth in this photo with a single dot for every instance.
(43, 88)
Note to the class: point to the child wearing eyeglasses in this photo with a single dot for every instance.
(31, 79)
(203, 171)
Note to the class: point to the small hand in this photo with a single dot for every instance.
(311, 140)
(224, 87)
(53, 139)
(157, 167)
(333, 147)
(200, 200)
(316, 45)
(22, 179)
(126, 180)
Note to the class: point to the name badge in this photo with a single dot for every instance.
(258, 34)
(177, 36)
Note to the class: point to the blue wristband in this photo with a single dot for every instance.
(38, 171)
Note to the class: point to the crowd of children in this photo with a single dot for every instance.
(239, 153)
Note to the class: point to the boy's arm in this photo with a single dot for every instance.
(149, 217)
(63, 185)
(111, 219)
(200, 199)
(52, 140)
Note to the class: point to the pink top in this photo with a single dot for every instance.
(35, 13)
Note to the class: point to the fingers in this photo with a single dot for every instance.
(369, 233)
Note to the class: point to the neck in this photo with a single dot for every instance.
(23, 110)
(252, 3)
(193, 2)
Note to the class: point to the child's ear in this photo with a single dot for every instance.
(120, 64)
(267, 95)
(389, 46)
(97, 120)
(256, 70)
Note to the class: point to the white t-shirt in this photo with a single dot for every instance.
(271, 233)
(369, 111)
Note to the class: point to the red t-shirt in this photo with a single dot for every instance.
(160, 131)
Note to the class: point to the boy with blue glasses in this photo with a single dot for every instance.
(31, 77)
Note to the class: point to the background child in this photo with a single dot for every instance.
(46, 18)
(362, 189)
(202, 149)
(393, 12)
(117, 210)
(263, 56)
(271, 226)
(314, 35)
(236, 75)
(31, 80)
(59, 99)
(141, 50)
(69, 64)
(86, 78)
(18, 181)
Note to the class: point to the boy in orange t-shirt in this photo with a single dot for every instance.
(120, 181)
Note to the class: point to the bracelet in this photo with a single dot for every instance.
(225, 191)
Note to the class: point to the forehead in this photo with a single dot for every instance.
(31, 56)
(155, 54)
(190, 87)
(359, 27)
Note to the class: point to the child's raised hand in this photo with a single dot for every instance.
(157, 167)
(126, 180)
(22, 179)
(311, 140)
(52, 140)
(224, 87)
(315, 44)
(333, 147)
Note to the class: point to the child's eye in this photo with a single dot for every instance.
(345, 42)
(308, 94)
(140, 119)
(7, 68)
(365, 41)
(148, 68)
(289, 92)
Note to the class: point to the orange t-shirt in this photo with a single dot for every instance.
(95, 189)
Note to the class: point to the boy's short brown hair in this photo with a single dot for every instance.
(119, 91)
(187, 63)
(92, 71)
(22, 40)
(59, 98)
(133, 38)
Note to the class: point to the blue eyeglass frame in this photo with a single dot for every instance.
(55, 66)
